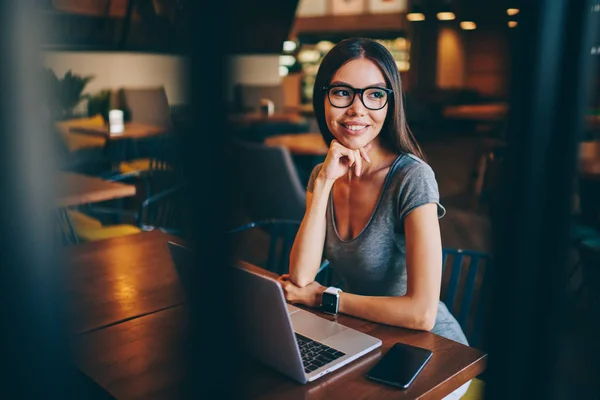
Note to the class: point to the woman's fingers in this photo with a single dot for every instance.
(363, 153)
(351, 158)
(339, 150)
(357, 163)
(288, 287)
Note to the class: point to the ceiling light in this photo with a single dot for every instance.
(446, 11)
(446, 16)
(468, 25)
(415, 14)
(414, 17)
(512, 11)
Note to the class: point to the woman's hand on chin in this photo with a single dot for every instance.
(310, 295)
(340, 159)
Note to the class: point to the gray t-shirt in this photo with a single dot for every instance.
(374, 262)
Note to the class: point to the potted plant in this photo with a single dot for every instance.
(99, 103)
(65, 93)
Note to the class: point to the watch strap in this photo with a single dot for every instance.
(333, 290)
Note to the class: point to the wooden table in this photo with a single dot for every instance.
(133, 356)
(118, 279)
(133, 130)
(77, 189)
(300, 143)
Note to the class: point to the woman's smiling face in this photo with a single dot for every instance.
(356, 126)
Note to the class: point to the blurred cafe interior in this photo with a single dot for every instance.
(120, 80)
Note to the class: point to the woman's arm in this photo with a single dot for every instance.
(307, 250)
(418, 308)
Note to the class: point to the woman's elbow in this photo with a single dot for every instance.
(425, 320)
(299, 280)
(427, 324)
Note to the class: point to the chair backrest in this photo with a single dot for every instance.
(281, 235)
(147, 105)
(466, 289)
(166, 210)
(270, 184)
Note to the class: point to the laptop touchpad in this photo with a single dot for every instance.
(313, 326)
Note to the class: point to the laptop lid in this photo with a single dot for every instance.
(262, 315)
(264, 319)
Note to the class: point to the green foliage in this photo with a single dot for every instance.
(66, 92)
(99, 103)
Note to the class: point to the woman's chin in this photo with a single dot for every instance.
(353, 143)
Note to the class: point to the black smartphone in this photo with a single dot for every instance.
(400, 365)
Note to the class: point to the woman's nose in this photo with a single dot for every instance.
(357, 107)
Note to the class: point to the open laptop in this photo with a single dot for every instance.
(295, 342)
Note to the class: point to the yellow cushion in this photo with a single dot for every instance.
(476, 390)
(107, 232)
(83, 221)
(135, 165)
(77, 141)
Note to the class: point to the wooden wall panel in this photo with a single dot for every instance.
(488, 60)
(116, 8)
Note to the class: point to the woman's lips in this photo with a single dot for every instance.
(354, 128)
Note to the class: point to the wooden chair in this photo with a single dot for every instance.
(165, 210)
(466, 289)
(281, 235)
(270, 182)
(149, 106)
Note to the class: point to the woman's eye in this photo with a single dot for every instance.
(379, 94)
(341, 93)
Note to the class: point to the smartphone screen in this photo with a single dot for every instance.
(400, 365)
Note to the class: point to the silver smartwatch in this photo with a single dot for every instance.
(331, 300)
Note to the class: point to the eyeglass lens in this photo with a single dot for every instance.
(372, 98)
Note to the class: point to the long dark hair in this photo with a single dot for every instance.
(395, 134)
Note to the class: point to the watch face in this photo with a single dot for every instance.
(330, 302)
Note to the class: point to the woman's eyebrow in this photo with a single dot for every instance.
(341, 83)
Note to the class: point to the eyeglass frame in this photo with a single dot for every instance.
(356, 91)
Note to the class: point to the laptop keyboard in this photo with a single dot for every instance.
(315, 354)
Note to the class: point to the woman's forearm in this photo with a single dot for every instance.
(307, 251)
(402, 311)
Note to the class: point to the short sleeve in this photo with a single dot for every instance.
(313, 175)
(419, 187)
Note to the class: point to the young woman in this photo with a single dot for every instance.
(372, 206)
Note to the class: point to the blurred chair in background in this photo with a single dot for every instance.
(269, 182)
(165, 210)
(466, 291)
(281, 235)
(466, 278)
(146, 105)
(81, 152)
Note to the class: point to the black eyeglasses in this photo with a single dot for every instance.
(372, 97)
